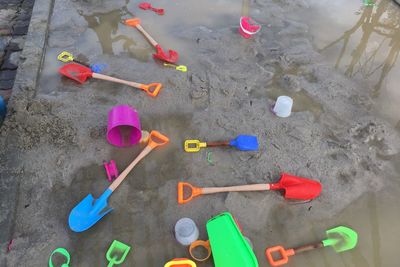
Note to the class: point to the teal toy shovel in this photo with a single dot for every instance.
(117, 253)
(340, 239)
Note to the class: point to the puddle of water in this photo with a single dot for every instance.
(364, 43)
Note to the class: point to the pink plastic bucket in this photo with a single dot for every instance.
(248, 27)
(123, 126)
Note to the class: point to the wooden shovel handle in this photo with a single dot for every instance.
(214, 144)
(308, 247)
(238, 188)
(156, 139)
(147, 35)
(128, 169)
(116, 80)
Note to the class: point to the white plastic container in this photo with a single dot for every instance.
(283, 106)
(186, 231)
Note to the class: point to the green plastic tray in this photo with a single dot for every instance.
(228, 246)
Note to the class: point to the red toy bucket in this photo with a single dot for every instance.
(248, 27)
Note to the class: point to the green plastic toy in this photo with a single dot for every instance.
(63, 252)
(229, 247)
(117, 253)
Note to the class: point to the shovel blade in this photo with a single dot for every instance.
(172, 56)
(341, 238)
(245, 143)
(299, 188)
(76, 72)
(88, 212)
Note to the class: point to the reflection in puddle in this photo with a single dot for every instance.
(364, 43)
(107, 28)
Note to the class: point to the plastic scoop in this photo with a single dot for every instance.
(242, 142)
(294, 188)
(340, 239)
(81, 73)
(89, 211)
(146, 6)
(117, 253)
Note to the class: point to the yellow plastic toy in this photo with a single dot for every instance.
(193, 146)
(182, 262)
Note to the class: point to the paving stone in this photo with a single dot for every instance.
(11, 62)
(6, 84)
(7, 75)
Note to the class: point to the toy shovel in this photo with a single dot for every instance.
(117, 253)
(294, 188)
(81, 73)
(340, 238)
(89, 211)
(242, 142)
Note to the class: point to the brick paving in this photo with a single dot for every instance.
(15, 16)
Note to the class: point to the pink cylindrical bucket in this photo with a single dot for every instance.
(123, 127)
(248, 27)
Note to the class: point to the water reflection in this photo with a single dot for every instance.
(382, 21)
(109, 31)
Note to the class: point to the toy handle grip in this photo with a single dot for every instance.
(157, 139)
(195, 191)
(152, 89)
(283, 253)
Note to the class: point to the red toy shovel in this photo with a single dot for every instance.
(172, 56)
(81, 73)
(296, 188)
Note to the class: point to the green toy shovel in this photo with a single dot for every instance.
(117, 253)
(340, 238)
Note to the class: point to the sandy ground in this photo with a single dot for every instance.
(54, 143)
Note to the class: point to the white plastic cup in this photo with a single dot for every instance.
(186, 231)
(283, 106)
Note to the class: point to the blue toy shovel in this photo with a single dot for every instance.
(242, 142)
(89, 211)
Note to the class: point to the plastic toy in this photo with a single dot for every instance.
(116, 249)
(111, 170)
(294, 187)
(181, 68)
(200, 243)
(89, 211)
(81, 73)
(226, 239)
(242, 142)
(283, 106)
(180, 262)
(147, 6)
(63, 252)
(123, 128)
(172, 56)
(248, 27)
(340, 238)
(186, 231)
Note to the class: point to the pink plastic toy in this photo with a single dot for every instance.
(248, 27)
(111, 170)
(123, 126)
